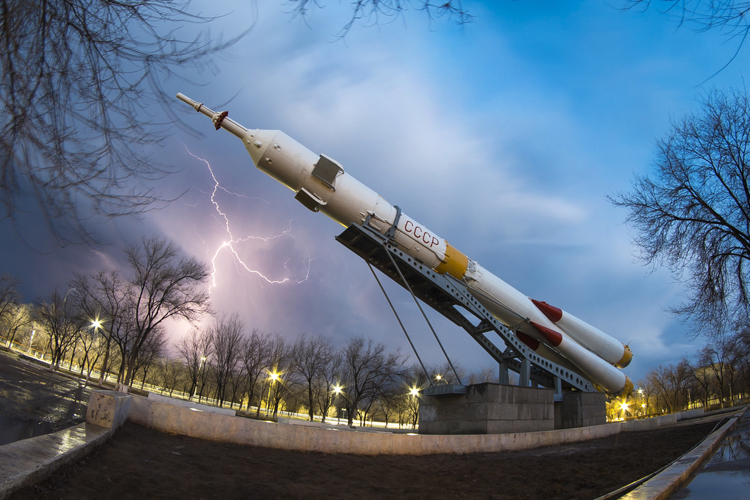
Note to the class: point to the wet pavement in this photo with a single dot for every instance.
(727, 474)
(35, 401)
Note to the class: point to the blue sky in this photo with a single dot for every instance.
(504, 136)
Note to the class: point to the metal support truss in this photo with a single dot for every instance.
(447, 296)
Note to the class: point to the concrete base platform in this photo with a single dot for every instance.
(581, 409)
(488, 409)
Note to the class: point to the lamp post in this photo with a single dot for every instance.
(336, 392)
(274, 377)
(31, 341)
(200, 365)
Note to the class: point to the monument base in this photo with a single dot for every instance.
(488, 409)
(581, 409)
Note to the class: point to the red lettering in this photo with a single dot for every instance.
(435, 241)
(406, 226)
(426, 238)
(415, 231)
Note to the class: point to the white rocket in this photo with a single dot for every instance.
(323, 186)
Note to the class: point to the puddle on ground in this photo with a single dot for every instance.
(14, 429)
(730, 485)
(727, 474)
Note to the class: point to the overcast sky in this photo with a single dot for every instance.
(504, 136)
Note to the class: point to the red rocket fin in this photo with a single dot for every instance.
(553, 337)
(529, 341)
(553, 313)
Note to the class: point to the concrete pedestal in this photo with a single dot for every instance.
(581, 409)
(488, 409)
(108, 409)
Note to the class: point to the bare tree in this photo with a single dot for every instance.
(62, 323)
(330, 379)
(282, 378)
(722, 357)
(170, 372)
(195, 350)
(226, 338)
(730, 17)
(16, 317)
(151, 351)
(103, 295)
(366, 368)
(80, 82)
(701, 375)
(694, 216)
(165, 285)
(255, 359)
(9, 296)
(310, 358)
(374, 12)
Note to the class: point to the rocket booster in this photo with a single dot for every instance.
(322, 185)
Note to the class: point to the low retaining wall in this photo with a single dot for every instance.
(651, 424)
(29, 461)
(190, 404)
(176, 420)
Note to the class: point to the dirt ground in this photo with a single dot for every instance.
(142, 463)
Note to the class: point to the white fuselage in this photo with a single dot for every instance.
(333, 192)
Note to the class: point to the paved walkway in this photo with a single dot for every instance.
(727, 474)
(35, 401)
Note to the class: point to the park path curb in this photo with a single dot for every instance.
(26, 462)
(29, 461)
(676, 475)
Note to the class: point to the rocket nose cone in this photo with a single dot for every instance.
(257, 142)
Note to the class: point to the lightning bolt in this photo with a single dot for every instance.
(229, 244)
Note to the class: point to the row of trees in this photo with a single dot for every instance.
(115, 324)
(309, 374)
(105, 311)
(719, 374)
(361, 379)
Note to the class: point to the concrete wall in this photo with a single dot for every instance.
(488, 409)
(650, 424)
(190, 404)
(108, 409)
(581, 409)
(177, 420)
(29, 461)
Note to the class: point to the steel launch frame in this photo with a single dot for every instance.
(444, 294)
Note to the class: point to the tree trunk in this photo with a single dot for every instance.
(105, 366)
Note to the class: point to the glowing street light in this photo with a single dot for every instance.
(414, 392)
(337, 390)
(96, 324)
(274, 376)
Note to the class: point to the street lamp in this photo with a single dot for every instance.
(414, 392)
